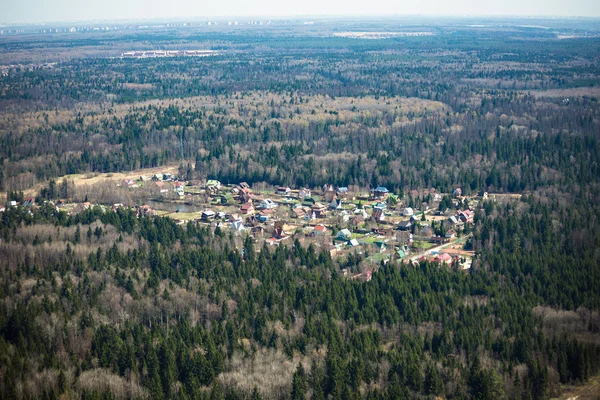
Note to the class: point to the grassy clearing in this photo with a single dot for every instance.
(185, 216)
(423, 245)
(588, 391)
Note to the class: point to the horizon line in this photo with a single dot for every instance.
(296, 16)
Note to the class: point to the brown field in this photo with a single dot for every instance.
(95, 178)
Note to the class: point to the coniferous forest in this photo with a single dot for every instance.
(106, 302)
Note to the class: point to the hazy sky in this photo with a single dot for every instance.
(67, 10)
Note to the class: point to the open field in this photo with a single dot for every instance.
(587, 391)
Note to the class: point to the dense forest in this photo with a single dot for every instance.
(106, 303)
(463, 109)
(167, 311)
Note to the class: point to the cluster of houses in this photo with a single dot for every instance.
(335, 218)
(338, 219)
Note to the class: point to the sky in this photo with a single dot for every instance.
(27, 11)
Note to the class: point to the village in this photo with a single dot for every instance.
(378, 225)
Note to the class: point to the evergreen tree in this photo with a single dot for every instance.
(299, 384)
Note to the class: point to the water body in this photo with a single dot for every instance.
(173, 207)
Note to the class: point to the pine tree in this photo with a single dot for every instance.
(433, 382)
(299, 384)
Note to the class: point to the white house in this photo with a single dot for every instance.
(237, 226)
(304, 193)
(408, 212)
(208, 214)
(267, 204)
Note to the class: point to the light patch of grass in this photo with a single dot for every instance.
(185, 216)
(423, 245)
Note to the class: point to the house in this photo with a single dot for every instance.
(408, 212)
(233, 217)
(319, 210)
(237, 226)
(361, 212)
(457, 192)
(213, 184)
(357, 220)
(380, 206)
(245, 190)
(129, 183)
(178, 188)
(146, 211)
(29, 202)
(167, 176)
(271, 241)
(283, 191)
(207, 215)
(226, 199)
(378, 215)
(344, 234)
(319, 230)
(405, 225)
(353, 243)
(382, 231)
(380, 192)
(246, 196)
(466, 216)
(443, 258)
(437, 197)
(342, 191)
(336, 204)
(252, 220)
(278, 232)
(299, 212)
(267, 204)
(220, 215)
(303, 193)
(247, 208)
(483, 194)
(404, 238)
(12, 203)
(438, 240)
(381, 245)
(244, 185)
(450, 234)
(157, 177)
(329, 193)
(455, 221)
